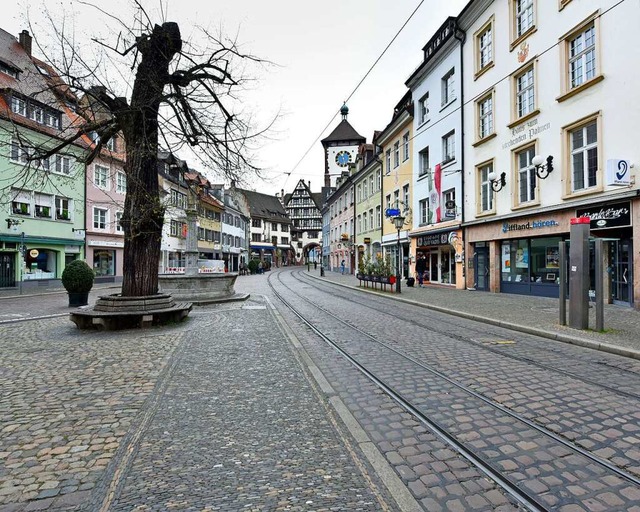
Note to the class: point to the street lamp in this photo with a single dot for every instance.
(542, 170)
(398, 222)
(497, 182)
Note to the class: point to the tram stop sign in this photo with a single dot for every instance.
(392, 212)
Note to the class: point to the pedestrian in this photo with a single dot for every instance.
(315, 265)
(260, 268)
(421, 267)
(342, 267)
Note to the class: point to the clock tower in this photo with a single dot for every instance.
(340, 147)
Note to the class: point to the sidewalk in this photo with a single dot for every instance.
(534, 315)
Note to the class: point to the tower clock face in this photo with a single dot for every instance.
(343, 158)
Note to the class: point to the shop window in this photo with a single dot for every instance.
(530, 261)
(104, 263)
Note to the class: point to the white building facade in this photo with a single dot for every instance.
(436, 88)
(569, 97)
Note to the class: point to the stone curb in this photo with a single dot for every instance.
(564, 338)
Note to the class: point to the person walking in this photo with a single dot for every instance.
(421, 267)
(342, 267)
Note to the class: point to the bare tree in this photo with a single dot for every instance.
(181, 98)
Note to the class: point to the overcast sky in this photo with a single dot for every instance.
(321, 50)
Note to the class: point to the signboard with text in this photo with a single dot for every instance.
(615, 215)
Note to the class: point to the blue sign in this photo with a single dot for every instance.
(392, 212)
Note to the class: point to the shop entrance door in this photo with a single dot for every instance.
(7, 269)
(434, 276)
(482, 269)
(621, 276)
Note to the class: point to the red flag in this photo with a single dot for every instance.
(438, 185)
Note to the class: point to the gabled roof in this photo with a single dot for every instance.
(265, 206)
(344, 132)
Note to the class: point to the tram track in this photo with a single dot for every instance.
(506, 481)
(500, 351)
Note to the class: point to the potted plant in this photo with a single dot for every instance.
(77, 279)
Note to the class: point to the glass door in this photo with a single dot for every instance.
(482, 269)
(621, 276)
(434, 275)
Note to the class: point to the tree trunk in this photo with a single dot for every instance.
(143, 214)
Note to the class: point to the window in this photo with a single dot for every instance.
(274, 226)
(526, 175)
(405, 146)
(523, 17)
(101, 176)
(525, 93)
(121, 183)
(100, 218)
(36, 114)
(584, 156)
(485, 116)
(359, 193)
(423, 109)
(284, 240)
(388, 160)
(178, 199)
(43, 206)
(396, 154)
(486, 192)
(449, 196)
(423, 207)
(371, 226)
(119, 222)
(21, 202)
(396, 198)
(365, 190)
(256, 237)
(582, 56)
(62, 208)
(178, 229)
(448, 92)
(19, 153)
(449, 147)
(284, 228)
(405, 195)
(8, 70)
(359, 224)
(62, 165)
(371, 184)
(18, 106)
(365, 226)
(378, 216)
(484, 47)
(424, 162)
(388, 201)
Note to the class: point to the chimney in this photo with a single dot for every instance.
(25, 41)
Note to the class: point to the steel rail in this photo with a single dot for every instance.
(523, 359)
(509, 487)
(543, 430)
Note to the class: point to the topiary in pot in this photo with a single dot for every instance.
(77, 279)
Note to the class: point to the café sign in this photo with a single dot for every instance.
(432, 240)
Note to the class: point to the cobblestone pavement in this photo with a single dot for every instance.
(212, 414)
(539, 315)
(577, 409)
(68, 399)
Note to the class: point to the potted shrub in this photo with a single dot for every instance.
(77, 279)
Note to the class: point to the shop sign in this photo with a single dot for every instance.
(524, 226)
(34, 253)
(367, 240)
(105, 243)
(435, 239)
(72, 249)
(615, 215)
(617, 173)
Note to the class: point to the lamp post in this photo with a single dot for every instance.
(398, 222)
